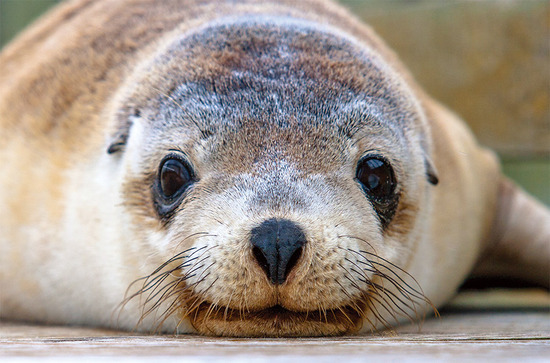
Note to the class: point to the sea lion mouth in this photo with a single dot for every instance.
(275, 321)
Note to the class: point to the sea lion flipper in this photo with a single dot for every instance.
(520, 242)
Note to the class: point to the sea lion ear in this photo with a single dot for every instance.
(118, 142)
(120, 138)
(431, 172)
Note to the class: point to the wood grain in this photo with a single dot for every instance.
(516, 327)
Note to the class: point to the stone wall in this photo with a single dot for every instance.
(487, 60)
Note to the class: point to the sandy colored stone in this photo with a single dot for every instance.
(489, 61)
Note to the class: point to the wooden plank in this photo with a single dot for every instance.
(467, 332)
(438, 340)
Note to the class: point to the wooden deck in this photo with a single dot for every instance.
(492, 326)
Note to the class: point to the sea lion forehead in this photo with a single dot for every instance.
(286, 83)
(280, 67)
(273, 47)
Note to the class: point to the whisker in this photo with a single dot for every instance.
(376, 313)
(400, 310)
(402, 291)
(178, 304)
(160, 290)
(227, 305)
(355, 306)
(400, 269)
(403, 300)
(158, 269)
(412, 291)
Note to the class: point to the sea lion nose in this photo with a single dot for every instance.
(277, 246)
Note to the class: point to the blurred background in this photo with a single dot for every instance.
(488, 60)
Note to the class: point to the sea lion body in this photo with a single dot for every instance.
(268, 111)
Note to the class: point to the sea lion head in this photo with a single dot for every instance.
(277, 171)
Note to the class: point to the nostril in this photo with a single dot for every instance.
(293, 261)
(277, 247)
(260, 258)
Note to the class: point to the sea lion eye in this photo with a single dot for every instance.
(377, 179)
(175, 176)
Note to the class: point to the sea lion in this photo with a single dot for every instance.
(239, 168)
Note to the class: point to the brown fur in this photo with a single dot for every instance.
(71, 86)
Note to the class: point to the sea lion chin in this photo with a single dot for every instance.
(246, 169)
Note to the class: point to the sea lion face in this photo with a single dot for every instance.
(276, 171)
